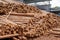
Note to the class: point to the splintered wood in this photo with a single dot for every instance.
(31, 21)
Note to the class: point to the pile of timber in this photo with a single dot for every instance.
(25, 21)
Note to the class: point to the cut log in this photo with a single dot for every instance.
(8, 36)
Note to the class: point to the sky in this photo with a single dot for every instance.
(55, 3)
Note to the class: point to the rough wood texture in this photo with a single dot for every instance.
(32, 27)
(8, 36)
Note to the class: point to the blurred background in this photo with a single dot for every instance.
(48, 5)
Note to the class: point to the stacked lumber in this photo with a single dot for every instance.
(19, 8)
(26, 21)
